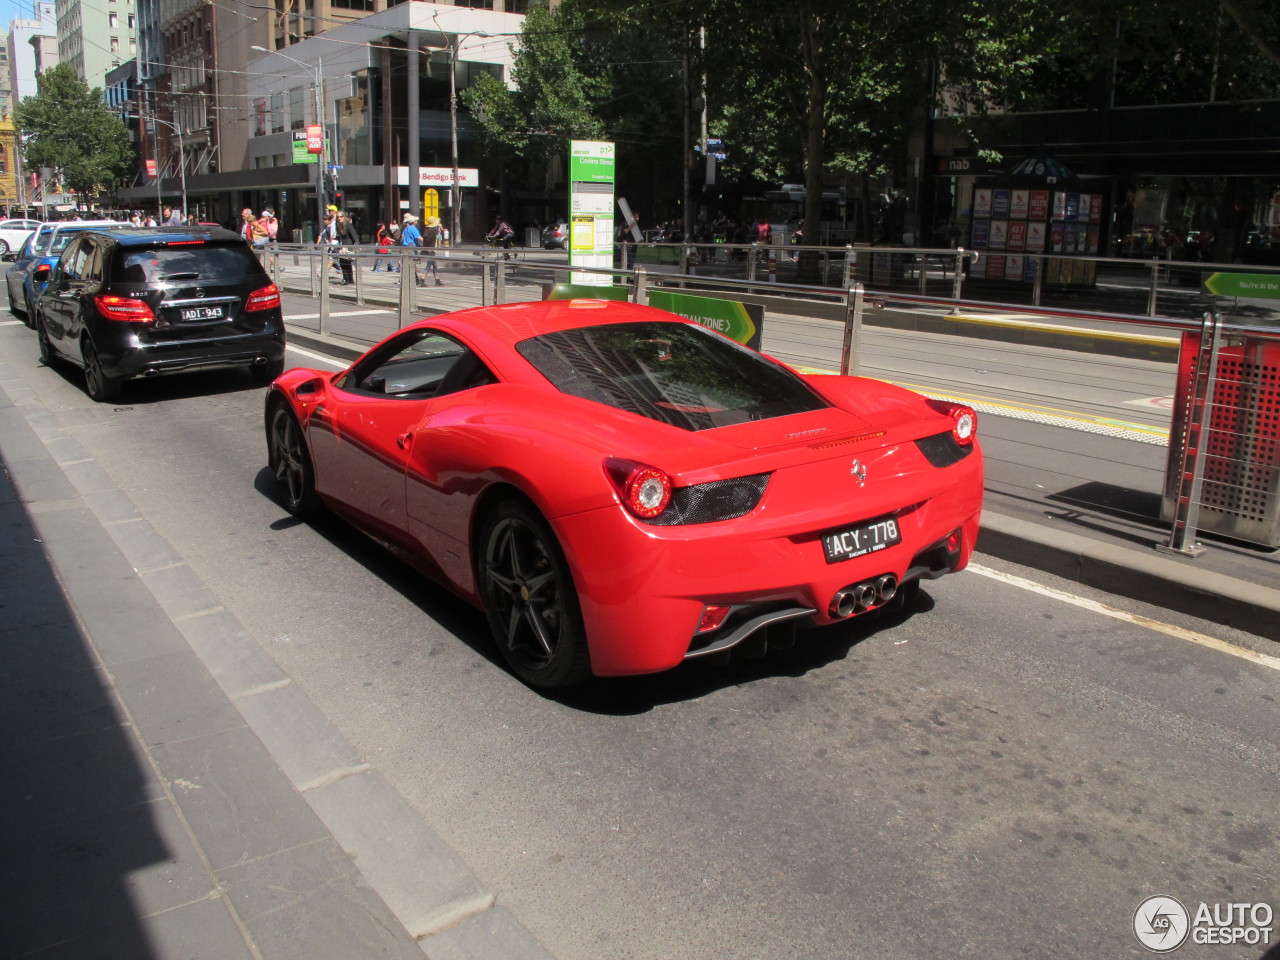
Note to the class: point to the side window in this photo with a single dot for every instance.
(418, 365)
(70, 266)
(92, 271)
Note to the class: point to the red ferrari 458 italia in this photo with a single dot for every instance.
(621, 490)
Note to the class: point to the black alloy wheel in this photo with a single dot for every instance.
(530, 600)
(290, 461)
(97, 384)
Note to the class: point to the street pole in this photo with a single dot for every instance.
(454, 194)
(322, 156)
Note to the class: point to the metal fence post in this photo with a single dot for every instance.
(357, 271)
(1155, 287)
(1186, 507)
(499, 282)
(325, 261)
(405, 274)
(315, 267)
(752, 254)
(957, 282)
(1037, 285)
(852, 330)
(849, 260)
(641, 292)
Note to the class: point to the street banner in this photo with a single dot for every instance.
(302, 152)
(743, 322)
(315, 138)
(591, 178)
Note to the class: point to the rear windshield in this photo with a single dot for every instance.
(677, 373)
(205, 262)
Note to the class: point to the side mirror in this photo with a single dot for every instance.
(10, 257)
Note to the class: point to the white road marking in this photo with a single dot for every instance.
(11, 323)
(1262, 659)
(336, 364)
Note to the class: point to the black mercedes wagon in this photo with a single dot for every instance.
(147, 301)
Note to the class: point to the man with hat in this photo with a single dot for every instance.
(411, 236)
(432, 238)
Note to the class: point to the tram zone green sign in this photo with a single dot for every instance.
(737, 321)
(1257, 286)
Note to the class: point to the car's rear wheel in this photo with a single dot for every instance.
(290, 461)
(4, 247)
(530, 600)
(97, 384)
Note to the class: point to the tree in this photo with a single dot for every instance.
(551, 103)
(67, 128)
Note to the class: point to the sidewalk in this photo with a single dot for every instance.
(169, 794)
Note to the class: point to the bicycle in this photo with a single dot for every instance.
(508, 252)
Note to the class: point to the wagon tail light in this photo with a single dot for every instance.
(265, 298)
(644, 490)
(964, 420)
(125, 309)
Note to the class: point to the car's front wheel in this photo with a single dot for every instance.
(530, 600)
(290, 461)
(97, 384)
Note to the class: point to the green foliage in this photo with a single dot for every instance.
(67, 128)
(551, 103)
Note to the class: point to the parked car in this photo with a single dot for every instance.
(621, 489)
(42, 248)
(556, 236)
(146, 301)
(14, 233)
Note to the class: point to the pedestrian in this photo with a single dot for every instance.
(411, 236)
(346, 235)
(327, 239)
(382, 239)
(433, 239)
(261, 232)
(173, 218)
(247, 222)
(273, 225)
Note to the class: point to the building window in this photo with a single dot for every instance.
(113, 20)
(353, 5)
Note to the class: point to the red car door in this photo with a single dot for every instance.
(360, 446)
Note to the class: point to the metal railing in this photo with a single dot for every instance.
(483, 277)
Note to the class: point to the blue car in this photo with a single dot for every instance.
(43, 248)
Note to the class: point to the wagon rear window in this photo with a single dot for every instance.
(676, 373)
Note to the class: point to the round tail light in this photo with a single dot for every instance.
(645, 490)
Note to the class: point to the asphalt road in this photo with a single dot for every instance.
(998, 773)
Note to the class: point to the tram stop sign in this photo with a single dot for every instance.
(1251, 286)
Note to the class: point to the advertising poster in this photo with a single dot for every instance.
(1000, 204)
(1019, 203)
(1057, 231)
(999, 234)
(1039, 205)
(1030, 266)
(982, 202)
(1095, 208)
(995, 268)
(1012, 268)
(1036, 233)
(981, 234)
(1073, 207)
(1082, 239)
(1017, 238)
(1059, 206)
(1069, 239)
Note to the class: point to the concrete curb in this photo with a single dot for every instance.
(1146, 576)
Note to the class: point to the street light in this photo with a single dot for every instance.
(182, 161)
(322, 160)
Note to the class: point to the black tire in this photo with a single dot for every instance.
(97, 384)
(264, 373)
(290, 462)
(47, 354)
(530, 599)
(4, 247)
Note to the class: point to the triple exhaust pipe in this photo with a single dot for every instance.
(863, 596)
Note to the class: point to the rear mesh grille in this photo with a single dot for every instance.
(942, 450)
(709, 502)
